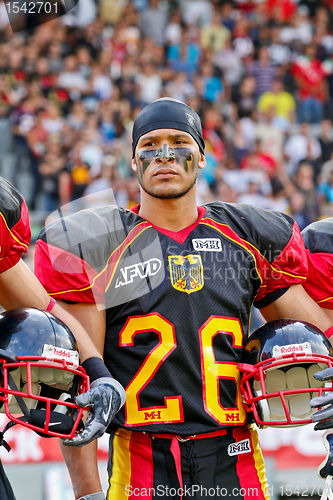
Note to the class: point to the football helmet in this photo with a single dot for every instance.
(40, 373)
(277, 381)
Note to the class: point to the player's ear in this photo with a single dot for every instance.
(202, 161)
(134, 167)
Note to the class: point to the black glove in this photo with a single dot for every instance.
(324, 417)
(105, 397)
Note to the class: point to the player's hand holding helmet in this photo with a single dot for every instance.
(105, 397)
(42, 385)
(323, 417)
(280, 373)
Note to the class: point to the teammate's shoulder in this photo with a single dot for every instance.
(92, 230)
(11, 202)
(318, 236)
(250, 221)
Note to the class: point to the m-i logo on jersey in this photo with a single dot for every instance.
(186, 272)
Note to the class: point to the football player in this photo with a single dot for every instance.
(165, 291)
(19, 287)
(318, 239)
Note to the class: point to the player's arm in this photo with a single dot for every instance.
(19, 287)
(295, 303)
(82, 462)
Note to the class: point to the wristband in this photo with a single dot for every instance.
(329, 332)
(51, 305)
(93, 496)
(95, 368)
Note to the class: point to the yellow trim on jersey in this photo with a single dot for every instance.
(105, 267)
(275, 268)
(235, 241)
(249, 322)
(121, 465)
(128, 244)
(12, 235)
(324, 300)
(259, 461)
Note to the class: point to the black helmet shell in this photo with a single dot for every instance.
(25, 331)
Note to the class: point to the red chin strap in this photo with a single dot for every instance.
(65, 422)
(258, 373)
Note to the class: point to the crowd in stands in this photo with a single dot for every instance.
(259, 73)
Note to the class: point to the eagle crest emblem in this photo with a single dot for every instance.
(186, 273)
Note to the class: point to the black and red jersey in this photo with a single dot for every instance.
(14, 226)
(318, 239)
(177, 303)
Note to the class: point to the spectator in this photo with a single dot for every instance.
(263, 71)
(184, 56)
(150, 83)
(52, 121)
(304, 182)
(325, 191)
(244, 96)
(55, 179)
(280, 53)
(173, 31)
(297, 209)
(242, 41)
(270, 136)
(180, 88)
(309, 74)
(197, 12)
(153, 21)
(231, 66)
(300, 146)
(326, 140)
(72, 79)
(215, 35)
(280, 102)
(263, 158)
(212, 85)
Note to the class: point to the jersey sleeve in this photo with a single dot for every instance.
(318, 239)
(274, 241)
(74, 255)
(280, 256)
(14, 226)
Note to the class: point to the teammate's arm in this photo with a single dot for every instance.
(295, 303)
(82, 462)
(19, 287)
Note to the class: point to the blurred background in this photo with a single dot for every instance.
(260, 75)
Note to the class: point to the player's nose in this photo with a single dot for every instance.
(165, 154)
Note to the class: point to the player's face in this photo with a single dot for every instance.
(167, 162)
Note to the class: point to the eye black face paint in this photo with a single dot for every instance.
(183, 156)
(147, 156)
(145, 160)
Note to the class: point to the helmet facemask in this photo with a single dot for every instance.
(40, 373)
(278, 386)
(44, 392)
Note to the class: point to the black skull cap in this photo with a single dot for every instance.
(167, 113)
